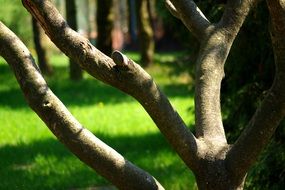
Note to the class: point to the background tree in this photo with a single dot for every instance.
(83, 16)
(145, 32)
(17, 20)
(105, 21)
(74, 69)
(132, 22)
(215, 163)
(44, 65)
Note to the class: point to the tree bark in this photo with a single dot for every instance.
(81, 142)
(44, 65)
(130, 78)
(223, 166)
(145, 32)
(215, 163)
(75, 72)
(105, 22)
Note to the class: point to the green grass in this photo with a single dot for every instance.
(32, 158)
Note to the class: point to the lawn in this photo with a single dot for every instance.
(31, 157)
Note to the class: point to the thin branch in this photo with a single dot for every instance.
(88, 148)
(272, 110)
(172, 9)
(234, 15)
(130, 78)
(192, 17)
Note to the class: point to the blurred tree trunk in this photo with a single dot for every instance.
(145, 32)
(75, 71)
(132, 22)
(45, 67)
(83, 17)
(105, 20)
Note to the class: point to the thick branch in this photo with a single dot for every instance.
(88, 148)
(209, 74)
(130, 78)
(210, 69)
(191, 16)
(272, 110)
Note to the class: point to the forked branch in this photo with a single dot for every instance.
(130, 78)
(87, 147)
(210, 69)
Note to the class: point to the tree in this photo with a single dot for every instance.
(215, 163)
(41, 52)
(105, 21)
(145, 32)
(132, 21)
(75, 71)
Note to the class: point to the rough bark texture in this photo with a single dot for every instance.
(105, 22)
(145, 32)
(215, 163)
(75, 72)
(44, 65)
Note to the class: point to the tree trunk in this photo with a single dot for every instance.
(44, 65)
(215, 176)
(215, 163)
(105, 22)
(145, 32)
(75, 72)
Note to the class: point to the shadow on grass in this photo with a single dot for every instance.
(85, 92)
(179, 62)
(46, 164)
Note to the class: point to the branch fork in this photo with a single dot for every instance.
(210, 148)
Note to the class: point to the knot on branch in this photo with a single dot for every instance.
(46, 104)
(120, 59)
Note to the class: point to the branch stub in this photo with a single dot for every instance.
(119, 58)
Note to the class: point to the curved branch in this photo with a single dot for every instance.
(272, 110)
(88, 148)
(172, 9)
(130, 78)
(192, 17)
